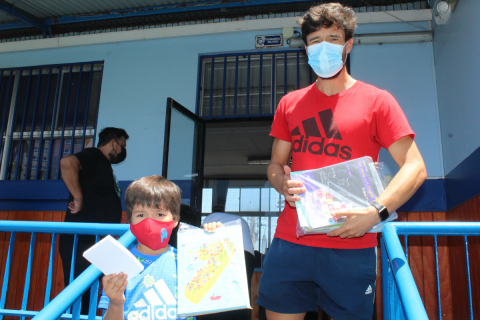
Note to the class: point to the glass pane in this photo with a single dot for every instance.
(265, 205)
(218, 86)
(6, 89)
(206, 85)
(207, 200)
(182, 157)
(305, 79)
(280, 87)
(253, 97)
(267, 84)
(12, 163)
(27, 91)
(232, 203)
(242, 85)
(46, 99)
(42, 171)
(34, 157)
(95, 88)
(54, 159)
(230, 87)
(74, 97)
(249, 199)
(292, 74)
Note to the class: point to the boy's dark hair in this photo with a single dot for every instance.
(107, 134)
(153, 192)
(326, 15)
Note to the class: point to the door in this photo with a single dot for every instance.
(183, 152)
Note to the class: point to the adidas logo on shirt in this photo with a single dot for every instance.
(153, 306)
(369, 290)
(316, 146)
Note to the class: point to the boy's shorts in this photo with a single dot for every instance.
(299, 278)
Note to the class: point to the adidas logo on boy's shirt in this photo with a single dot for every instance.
(369, 290)
(156, 308)
(331, 131)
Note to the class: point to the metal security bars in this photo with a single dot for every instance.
(46, 112)
(16, 232)
(249, 84)
(401, 299)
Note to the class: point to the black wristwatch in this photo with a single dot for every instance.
(382, 211)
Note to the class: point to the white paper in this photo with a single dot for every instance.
(110, 256)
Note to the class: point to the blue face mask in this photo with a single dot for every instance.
(325, 58)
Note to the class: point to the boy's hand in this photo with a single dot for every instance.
(210, 227)
(114, 286)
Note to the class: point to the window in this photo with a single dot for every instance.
(260, 206)
(249, 85)
(46, 113)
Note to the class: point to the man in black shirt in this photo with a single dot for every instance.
(95, 195)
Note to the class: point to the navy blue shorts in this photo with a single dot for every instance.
(299, 278)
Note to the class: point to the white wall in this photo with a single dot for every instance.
(456, 51)
(407, 72)
(140, 75)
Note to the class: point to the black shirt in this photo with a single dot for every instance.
(101, 204)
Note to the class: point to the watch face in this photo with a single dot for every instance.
(442, 7)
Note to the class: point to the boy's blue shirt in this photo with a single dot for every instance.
(152, 294)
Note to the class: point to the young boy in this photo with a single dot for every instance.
(153, 210)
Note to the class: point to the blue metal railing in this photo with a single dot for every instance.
(401, 299)
(72, 294)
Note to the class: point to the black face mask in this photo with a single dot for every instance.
(120, 156)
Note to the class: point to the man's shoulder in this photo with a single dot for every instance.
(369, 89)
(88, 152)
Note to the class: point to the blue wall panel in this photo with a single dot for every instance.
(463, 182)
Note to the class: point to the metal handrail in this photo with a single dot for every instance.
(402, 284)
(71, 295)
(73, 292)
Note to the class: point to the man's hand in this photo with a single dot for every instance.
(359, 222)
(75, 206)
(290, 187)
(114, 286)
(210, 227)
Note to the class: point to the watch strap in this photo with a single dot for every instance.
(382, 211)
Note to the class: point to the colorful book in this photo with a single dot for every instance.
(347, 185)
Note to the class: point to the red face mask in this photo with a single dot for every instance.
(152, 233)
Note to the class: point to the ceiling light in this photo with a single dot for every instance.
(396, 37)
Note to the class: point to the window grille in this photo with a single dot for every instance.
(46, 112)
(249, 84)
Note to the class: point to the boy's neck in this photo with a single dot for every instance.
(143, 249)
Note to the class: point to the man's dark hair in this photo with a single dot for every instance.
(326, 15)
(153, 192)
(107, 134)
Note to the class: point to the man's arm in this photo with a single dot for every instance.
(279, 172)
(70, 167)
(405, 183)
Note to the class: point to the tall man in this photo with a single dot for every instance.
(95, 195)
(336, 119)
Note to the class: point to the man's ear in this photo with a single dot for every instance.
(176, 223)
(306, 49)
(349, 45)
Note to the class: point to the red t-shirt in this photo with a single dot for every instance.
(326, 130)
